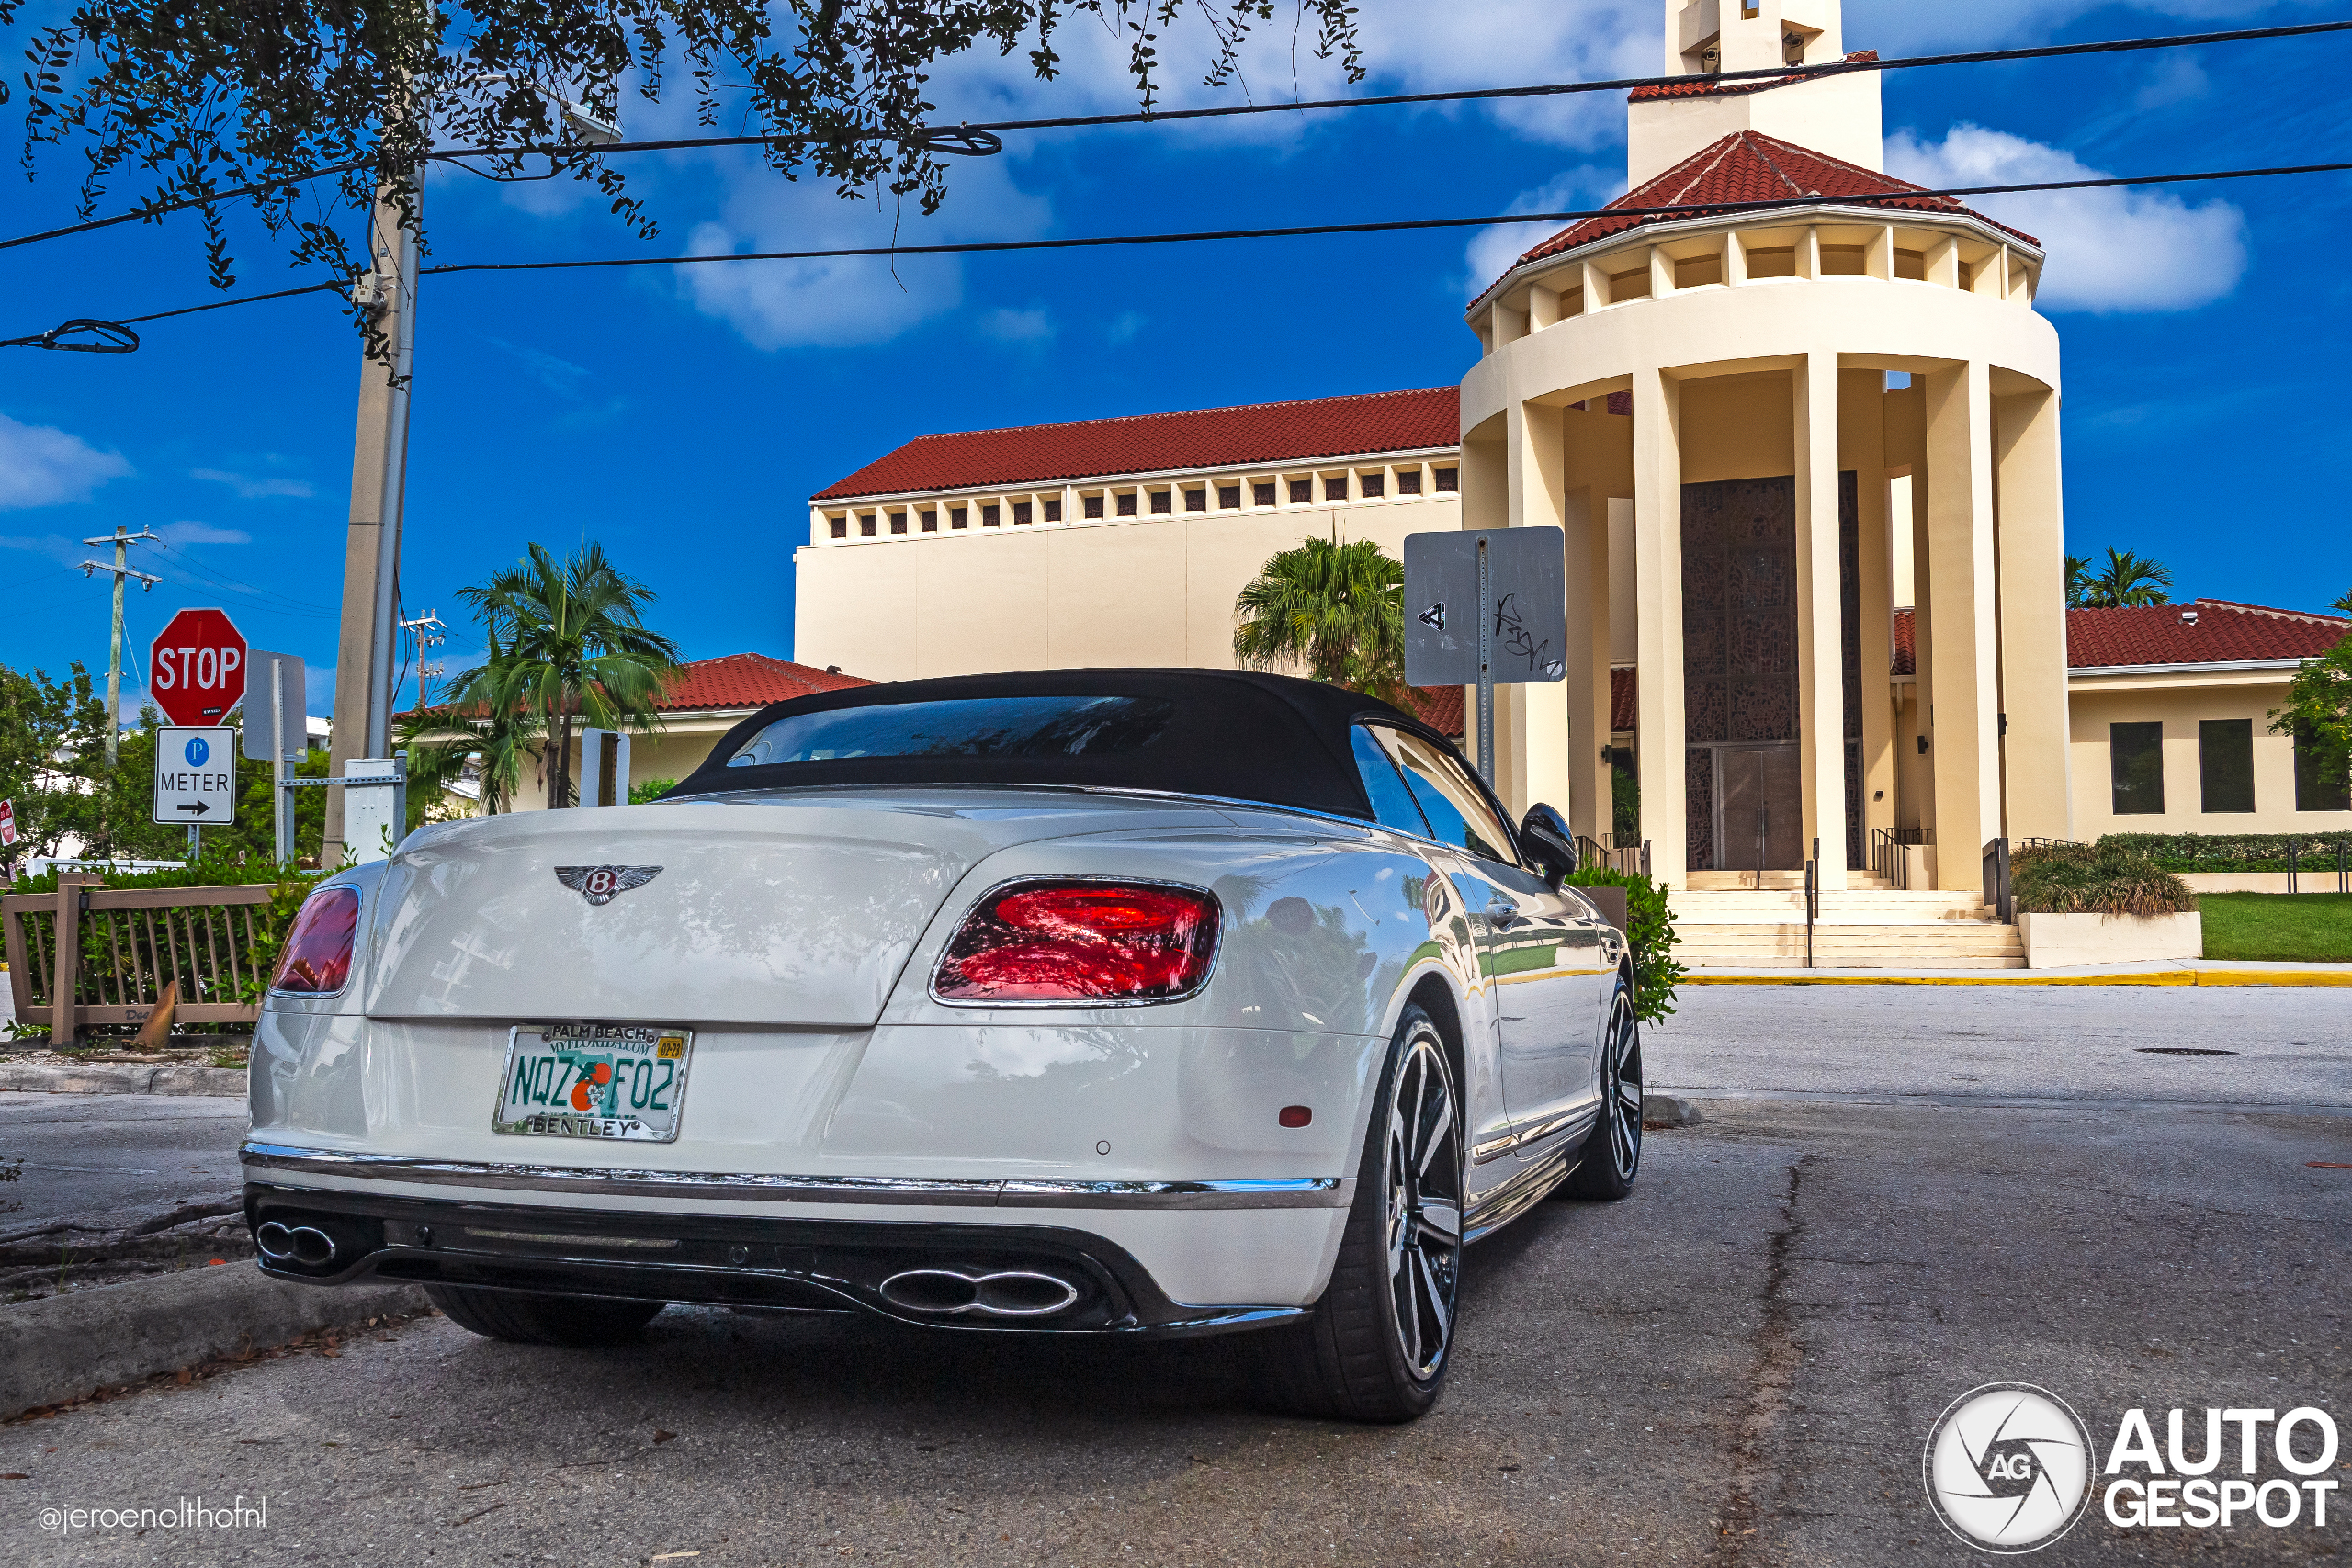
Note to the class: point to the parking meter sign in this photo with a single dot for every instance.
(195, 777)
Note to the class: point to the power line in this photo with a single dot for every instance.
(947, 137)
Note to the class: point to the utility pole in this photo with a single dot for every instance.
(430, 633)
(122, 568)
(363, 677)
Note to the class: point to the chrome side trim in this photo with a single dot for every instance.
(1515, 1197)
(1579, 1120)
(1280, 1192)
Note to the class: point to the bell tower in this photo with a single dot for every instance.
(1838, 116)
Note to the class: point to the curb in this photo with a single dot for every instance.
(124, 1080)
(66, 1347)
(1660, 1111)
(2276, 977)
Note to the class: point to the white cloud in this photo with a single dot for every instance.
(42, 465)
(249, 488)
(1030, 329)
(1907, 25)
(835, 301)
(56, 546)
(2111, 251)
(1493, 252)
(188, 533)
(1125, 328)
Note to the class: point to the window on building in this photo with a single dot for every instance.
(1262, 493)
(1127, 504)
(1019, 513)
(1054, 508)
(2136, 755)
(1336, 489)
(1698, 271)
(929, 517)
(1228, 497)
(1912, 265)
(840, 527)
(1771, 261)
(1372, 486)
(1197, 499)
(1409, 482)
(1162, 502)
(1301, 491)
(989, 516)
(1448, 480)
(1844, 261)
(1092, 505)
(1967, 276)
(868, 524)
(2225, 765)
(2323, 777)
(959, 517)
(898, 522)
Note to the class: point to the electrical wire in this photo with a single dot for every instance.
(1199, 236)
(975, 139)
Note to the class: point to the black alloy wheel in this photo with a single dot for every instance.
(1611, 1156)
(1376, 1348)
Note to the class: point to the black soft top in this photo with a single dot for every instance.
(1235, 734)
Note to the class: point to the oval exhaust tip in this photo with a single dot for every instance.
(275, 1239)
(312, 1246)
(1024, 1293)
(932, 1290)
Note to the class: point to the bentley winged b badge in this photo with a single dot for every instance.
(601, 884)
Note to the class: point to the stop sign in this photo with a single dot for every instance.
(196, 670)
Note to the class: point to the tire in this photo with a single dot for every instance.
(1379, 1342)
(521, 1318)
(1611, 1155)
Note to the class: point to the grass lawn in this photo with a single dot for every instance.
(2279, 926)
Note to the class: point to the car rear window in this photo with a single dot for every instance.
(979, 727)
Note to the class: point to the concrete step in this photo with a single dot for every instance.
(1973, 944)
(1836, 908)
(1728, 881)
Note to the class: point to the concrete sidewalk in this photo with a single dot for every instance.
(2197, 972)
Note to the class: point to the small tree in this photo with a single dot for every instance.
(568, 643)
(2319, 710)
(1337, 609)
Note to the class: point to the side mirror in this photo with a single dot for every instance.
(1547, 838)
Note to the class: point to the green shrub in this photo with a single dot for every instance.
(1652, 935)
(2231, 852)
(2105, 878)
(649, 790)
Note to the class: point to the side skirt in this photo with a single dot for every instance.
(1521, 1192)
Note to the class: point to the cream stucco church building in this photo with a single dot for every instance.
(1806, 454)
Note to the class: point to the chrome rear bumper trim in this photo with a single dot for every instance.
(1280, 1192)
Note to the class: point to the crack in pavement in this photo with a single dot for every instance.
(1779, 1357)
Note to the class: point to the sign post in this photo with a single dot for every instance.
(269, 714)
(1486, 607)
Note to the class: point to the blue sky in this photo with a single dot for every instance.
(682, 416)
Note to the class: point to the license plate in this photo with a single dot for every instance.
(594, 1080)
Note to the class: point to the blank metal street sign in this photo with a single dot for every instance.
(195, 777)
(1527, 613)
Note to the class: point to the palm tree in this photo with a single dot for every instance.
(468, 725)
(2126, 578)
(2078, 581)
(568, 643)
(1337, 609)
(2342, 606)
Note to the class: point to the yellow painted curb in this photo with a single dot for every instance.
(2288, 977)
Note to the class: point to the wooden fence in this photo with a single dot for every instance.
(110, 954)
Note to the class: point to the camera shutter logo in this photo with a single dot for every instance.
(2009, 1468)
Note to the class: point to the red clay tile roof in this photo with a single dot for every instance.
(2223, 633)
(1623, 714)
(1748, 166)
(1709, 87)
(1443, 708)
(748, 681)
(1258, 433)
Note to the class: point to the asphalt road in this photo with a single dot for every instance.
(99, 1156)
(1736, 1366)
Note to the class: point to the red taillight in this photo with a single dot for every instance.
(317, 960)
(1053, 942)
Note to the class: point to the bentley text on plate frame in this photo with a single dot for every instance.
(1083, 1002)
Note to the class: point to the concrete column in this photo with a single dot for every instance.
(1962, 586)
(1596, 288)
(1532, 760)
(1821, 677)
(1658, 566)
(2033, 615)
(1862, 427)
(1661, 273)
(1585, 517)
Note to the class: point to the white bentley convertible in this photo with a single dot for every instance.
(1085, 1002)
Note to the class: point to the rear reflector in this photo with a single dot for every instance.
(317, 961)
(1085, 941)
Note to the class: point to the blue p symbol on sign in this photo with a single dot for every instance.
(197, 751)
